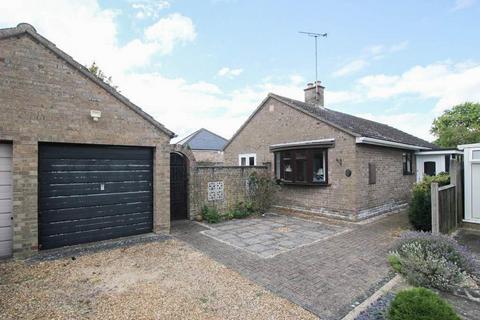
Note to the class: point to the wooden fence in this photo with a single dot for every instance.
(447, 201)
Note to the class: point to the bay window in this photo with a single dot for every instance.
(302, 166)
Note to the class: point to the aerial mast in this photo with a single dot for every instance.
(316, 36)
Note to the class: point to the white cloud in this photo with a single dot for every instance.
(89, 33)
(448, 83)
(462, 4)
(228, 72)
(417, 124)
(149, 8)
(172, 30)
(379, 51)
(375, 52)
(351, 67)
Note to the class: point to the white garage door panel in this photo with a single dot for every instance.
(5, 206)
(5, 192)
(5, 220)
(5, 178)
(6, 231)
(5, 164)
(5, 248)
(6, 234)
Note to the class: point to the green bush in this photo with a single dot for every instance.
(420, 304)
(243, 210)
(211, 215)
(261, 192)
(432, 261)
(420, 212)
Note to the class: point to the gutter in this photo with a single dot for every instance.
(390, 144)
(443, 152)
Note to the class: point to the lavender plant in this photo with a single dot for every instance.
(434, 261)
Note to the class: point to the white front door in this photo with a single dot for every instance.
(475, 193)
(6, 231)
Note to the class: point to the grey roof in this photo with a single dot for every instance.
(27, 29)
(204, 140)
(356, 126)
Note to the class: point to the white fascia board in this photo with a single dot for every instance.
(390, 144)
(438, 152)
(302, 143)
(472, 145)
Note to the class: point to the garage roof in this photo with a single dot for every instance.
(27, 29)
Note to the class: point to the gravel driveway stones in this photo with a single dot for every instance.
(158, 280)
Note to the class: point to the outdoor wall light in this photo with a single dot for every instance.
(95, 114)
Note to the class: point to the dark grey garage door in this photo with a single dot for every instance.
(90, 193)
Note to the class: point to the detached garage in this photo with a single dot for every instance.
(78, 161)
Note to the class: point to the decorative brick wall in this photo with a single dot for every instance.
(45, 99)
(226, 185)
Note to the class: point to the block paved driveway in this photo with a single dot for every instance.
(327, 272)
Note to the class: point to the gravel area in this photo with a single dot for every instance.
(158, 280)
(377, 310)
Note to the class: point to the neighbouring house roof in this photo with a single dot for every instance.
(27, 29)
(204, 139)
(370, 131)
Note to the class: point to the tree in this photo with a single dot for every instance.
(102, 76)
(459, 125)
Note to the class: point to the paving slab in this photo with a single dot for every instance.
(272, 234)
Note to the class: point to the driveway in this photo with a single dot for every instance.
(157, 280)
(328, 270)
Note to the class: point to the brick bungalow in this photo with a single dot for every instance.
(78, 161)
(328, 162)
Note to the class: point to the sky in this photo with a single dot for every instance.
(209, 63)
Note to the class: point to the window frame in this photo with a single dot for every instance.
(407, 157)
(247, 157)
(428, 163)
(372, 173)
(308, 163)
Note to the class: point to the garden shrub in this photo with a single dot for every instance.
(420, 304)
(242, 210)
(435, 261)
(261, 192)
(420, 212)
(211, 215)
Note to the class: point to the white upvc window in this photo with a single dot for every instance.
(247, 159)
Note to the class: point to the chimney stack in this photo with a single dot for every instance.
(314, 94)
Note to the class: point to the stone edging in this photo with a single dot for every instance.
(375, 296)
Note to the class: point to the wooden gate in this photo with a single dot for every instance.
(447, 204)
(178, 187)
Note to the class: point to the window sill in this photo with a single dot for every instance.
(309, 184)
